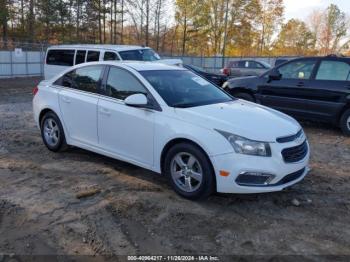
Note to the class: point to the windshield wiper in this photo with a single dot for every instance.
(183, 105)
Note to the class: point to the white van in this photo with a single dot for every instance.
(59, 57)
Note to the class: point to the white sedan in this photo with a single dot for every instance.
(172, 121)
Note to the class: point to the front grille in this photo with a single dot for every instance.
(259, 181)
(295, 154)
(287, 139)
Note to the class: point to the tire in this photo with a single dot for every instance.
(244, 96)
(345, 122)
(195, 179)
(52, 132)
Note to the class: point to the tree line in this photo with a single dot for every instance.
(177, 27)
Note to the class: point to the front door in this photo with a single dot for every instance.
(292, 91)
(124, 130)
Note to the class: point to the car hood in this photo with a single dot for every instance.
(242, 81)
(242, 118)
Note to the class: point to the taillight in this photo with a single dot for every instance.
(35, 90)
(226, 71)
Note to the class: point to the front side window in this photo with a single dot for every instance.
(87, 78)
(60, 57)
(297, 69)
(121, 84)
(139, 55)
(110, 56)
(80, 57)
(182, 88)
(93, 56)
(333, 70)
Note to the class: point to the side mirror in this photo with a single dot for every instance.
(136, 100)
(275, 75)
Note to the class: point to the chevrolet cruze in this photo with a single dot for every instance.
(172, 121)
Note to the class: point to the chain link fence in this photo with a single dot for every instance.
(19, 59)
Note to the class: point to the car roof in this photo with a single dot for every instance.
(136, 65)
(149, 66)
(110, 47)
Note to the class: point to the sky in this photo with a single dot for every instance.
(302, 8)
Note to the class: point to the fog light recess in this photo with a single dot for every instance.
(254, 179)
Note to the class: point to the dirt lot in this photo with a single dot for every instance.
(134, 211)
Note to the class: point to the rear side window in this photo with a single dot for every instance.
(238, 64)
(87, 78)
(60, 57)
(333, 70)
(110, 56)
(80, 57)
(93, 56)
(121, 84)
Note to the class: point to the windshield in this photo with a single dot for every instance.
(267, 65)
(182, 88)
(139, 55)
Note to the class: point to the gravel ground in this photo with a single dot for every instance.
(79, 202)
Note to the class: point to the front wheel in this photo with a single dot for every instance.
(52, 132)
(189, 171)
(345, 122)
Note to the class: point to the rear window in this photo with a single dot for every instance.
(93, 56)
(60, 57)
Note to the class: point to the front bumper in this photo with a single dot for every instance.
(236, 164)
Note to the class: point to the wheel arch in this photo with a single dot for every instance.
(180, 140)
(237, 90)
(344, 109)
(44, 111)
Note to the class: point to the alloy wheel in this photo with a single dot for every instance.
(186, 172)
(51, 132)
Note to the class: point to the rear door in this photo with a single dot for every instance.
(78, 103)
(237, 68)
(330, 88)
(292, 93)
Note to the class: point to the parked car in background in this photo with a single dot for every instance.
(314, 88)
(218, 79)
(245, 68)
(60, 57)
(172, 121)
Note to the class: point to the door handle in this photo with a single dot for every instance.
(300, 84)
(105, 111)
(66, 99)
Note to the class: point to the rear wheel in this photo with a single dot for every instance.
(52, 132)
(244, 96)
(189, 171)
(345, 122)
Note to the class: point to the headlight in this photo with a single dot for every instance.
(245, 146)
